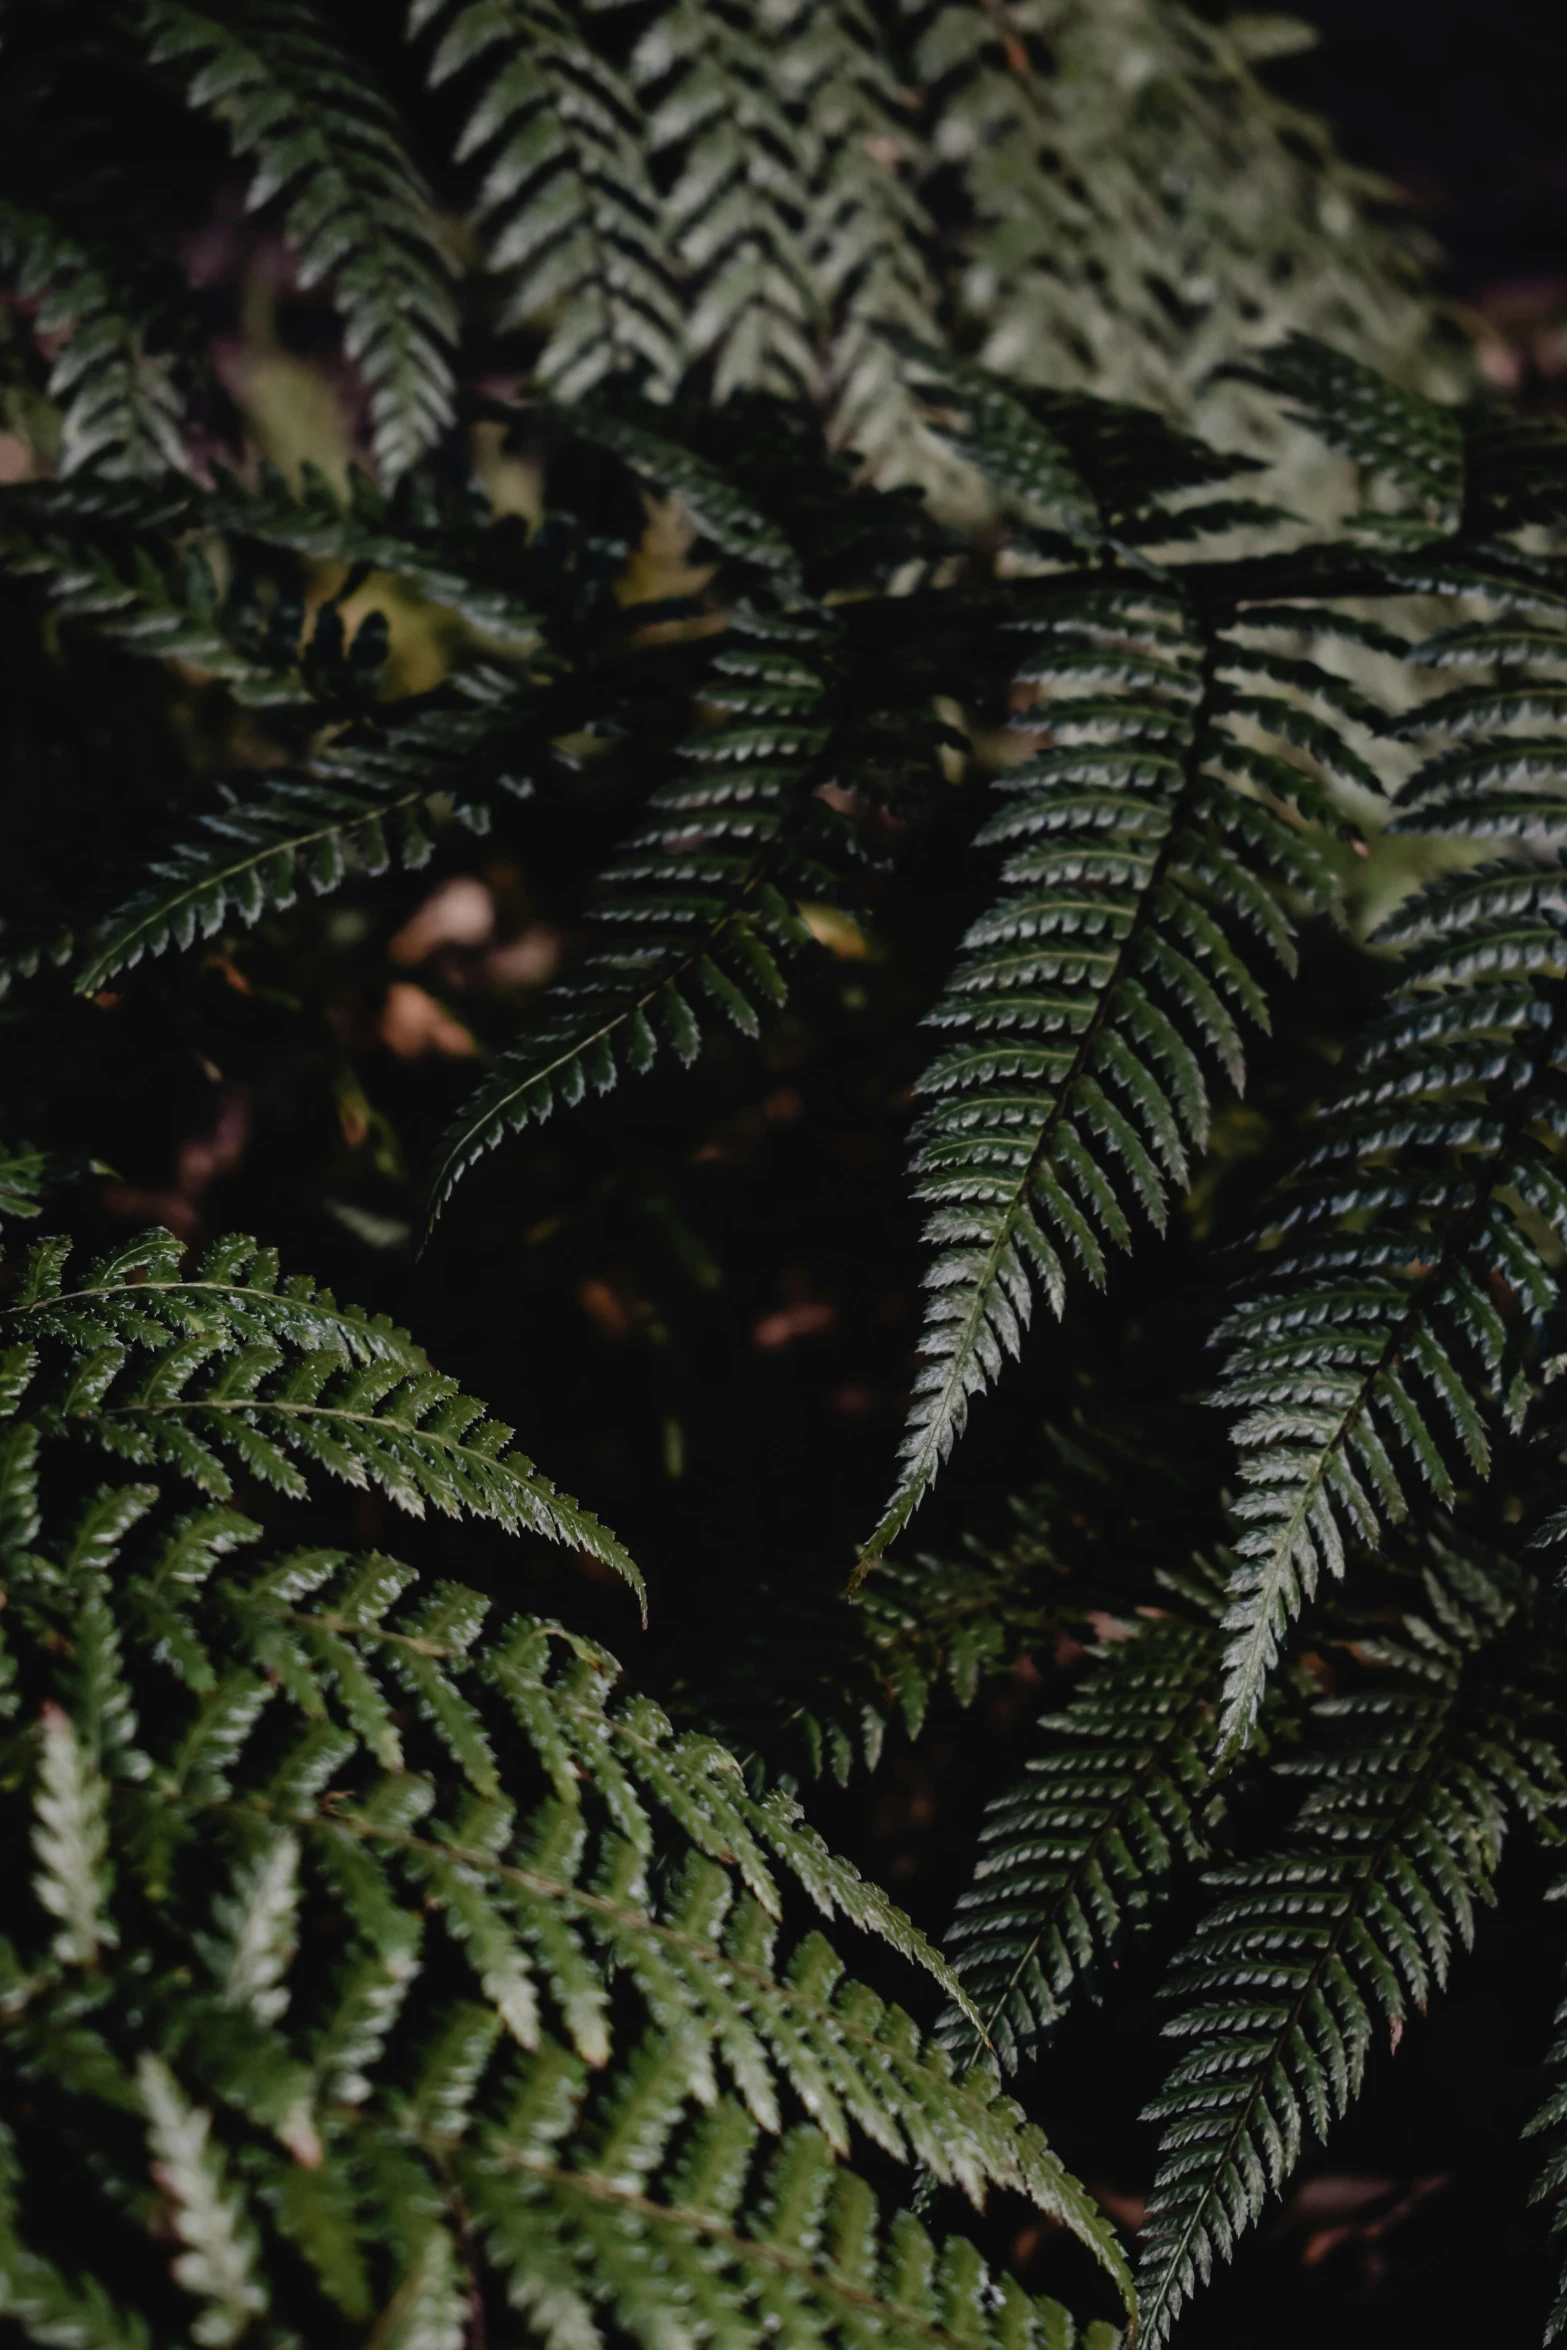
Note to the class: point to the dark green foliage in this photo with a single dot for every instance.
(380, 1876)
(1353, 1921)
(606, 759)
(1092, 1832)
(323, 141)
(1388, 1330)
(246, 1377)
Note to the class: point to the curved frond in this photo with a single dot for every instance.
(1381, 1339)
(120, 409)
(693, 906)
(363, 806)
(430, 1965)
(1088, 1839)
(1151, 860)
(222, 1374)
(323, 139)
(1353, 1921)
(566, 208)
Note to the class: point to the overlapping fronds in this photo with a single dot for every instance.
(323, 140)
(567, 209)
(120, 408)
(1354, 1919)
(420, 1969)
(1154, 864)
(693, 908)
(1384, 1336)
(1087, 1841)
(224, 1373)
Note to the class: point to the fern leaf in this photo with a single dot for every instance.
(1093, 218)
(693, 905)
(566, 208)
(707, 2110)
(1148, 852)
(1088, 1839)
(738, 198)
(279, 1385)
(70, 1842)
(1371, 1351)
(361, 806)
(99, 552)
(219, 2264)
(119, 406)
(1413, 444)
(356, 210)
(1354, 1919)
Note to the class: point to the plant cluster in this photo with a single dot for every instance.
(381, 1963)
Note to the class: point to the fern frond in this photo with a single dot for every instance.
(120, 409)
(566, 209)
(363, 806)
(1131, 230)
(195, 1375)
(1151, 861)
(356, 211)
(1383, 1336)
(317, 1770)
(1414, 445)
(738, 203)
(1088, 1839)
(1355, 1918)
(693, 906)
(117, 557)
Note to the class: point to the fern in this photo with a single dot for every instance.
(275, 1383)
(1151, 860)
(119, 406)
(693, 906)
(356, 1792)
(1354, 1919)
(1141, 205)
(364, 803)
(1372, 1348)
(567, 209)
(356, 209)
(1088, 1839)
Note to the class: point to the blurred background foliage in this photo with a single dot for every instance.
(703, 1316)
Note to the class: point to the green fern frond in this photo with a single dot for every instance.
(356, 211)
(1087, 1841)
(118, 557)
(120, 410)
(1152, 858)
(1132, 226)
(693, 907)
(566, 209)
(1392, 435)
(1355, 1918)
(225, 1372)
(312, 1761)
(365, 806)
(1384, 1334)
(738, 201)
